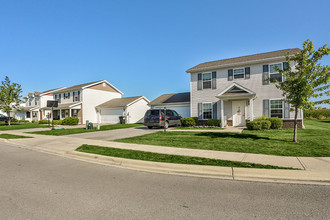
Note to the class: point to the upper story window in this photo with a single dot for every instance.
(36, 101)
(273, 73)
(30, 101)
(76, 96)
(276, 108)
(239, 73)
(57, 97)
(66, 95)
(207, 81)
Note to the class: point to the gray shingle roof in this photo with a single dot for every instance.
(120, 102)
(255, 57)
(171, 98)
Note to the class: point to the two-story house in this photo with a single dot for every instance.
(238, 89)
(33, 108)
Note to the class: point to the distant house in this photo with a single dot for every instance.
(86, 101)
(180, 102)
(131, 108)
(238, 89)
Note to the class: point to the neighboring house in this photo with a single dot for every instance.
(33, 109)
(80, 100)
(132, 108)
(237, 90)
(180, 102)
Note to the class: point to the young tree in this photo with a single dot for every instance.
(308, 79)
(10, 96)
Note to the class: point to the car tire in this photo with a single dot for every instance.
(149, 127)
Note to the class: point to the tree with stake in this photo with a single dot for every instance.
(10, 97)
(308, 79)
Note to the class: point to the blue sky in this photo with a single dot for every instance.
(144, 47)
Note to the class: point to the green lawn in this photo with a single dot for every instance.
(12, 136)
(83, 130)
(5, 127)
(314, 141)
(167, 158)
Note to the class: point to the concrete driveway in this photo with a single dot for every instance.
(116, 134)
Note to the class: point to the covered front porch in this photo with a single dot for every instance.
(236, 105)
(67, 110)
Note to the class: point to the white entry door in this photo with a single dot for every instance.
(238, 109)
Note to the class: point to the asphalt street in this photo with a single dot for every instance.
(35, 185)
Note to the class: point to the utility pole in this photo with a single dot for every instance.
(164, 119)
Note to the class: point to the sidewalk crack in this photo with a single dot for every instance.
(301, 163)
(232, 173)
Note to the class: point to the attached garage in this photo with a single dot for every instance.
(180, 102)
(132, 108)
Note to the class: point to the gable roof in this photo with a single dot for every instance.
(235, 89)
(121, 102)
(242, 59)
(171, 98)
(86, 85)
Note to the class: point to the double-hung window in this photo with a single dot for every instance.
(58, 98)
(207, 110)
(239, 73)
(36, 101)
(207, 80)
(274, 74)
(76, 96)
(30, 101)
(66, 95)
(276, 108)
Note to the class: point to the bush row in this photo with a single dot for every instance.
(14, 120)
(264, 123)
(317, 114)
(66, 121)
(193, 121)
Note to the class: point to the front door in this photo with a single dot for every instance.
(238, 109)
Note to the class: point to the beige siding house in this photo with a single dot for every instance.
(237, 90)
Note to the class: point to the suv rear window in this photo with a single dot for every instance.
(153, 113)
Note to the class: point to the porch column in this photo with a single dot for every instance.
(70, 112)
(251, 110)
(222, 114)
(60, 114)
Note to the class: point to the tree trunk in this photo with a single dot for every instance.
(295, 126)
(8, 113)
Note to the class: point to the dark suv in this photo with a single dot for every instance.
(156, 118)
(4, 118)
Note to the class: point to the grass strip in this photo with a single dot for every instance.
(12, 136)
(167, 158)
(5, 127)
(61, 132)
(196, 128)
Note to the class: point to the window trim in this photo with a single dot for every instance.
(270, 107)
(203, 110)
(36, 100)
(275, 72)
(207, 80)
(239, 74)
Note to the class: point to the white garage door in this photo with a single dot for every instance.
(183, 110)
(111, 115)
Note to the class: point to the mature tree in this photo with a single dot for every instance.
(306, 79)
(10, 97)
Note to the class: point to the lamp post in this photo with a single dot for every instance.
(164, 119)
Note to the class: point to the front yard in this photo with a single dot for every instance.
(16, 126)
(314, 141)
(61, 132)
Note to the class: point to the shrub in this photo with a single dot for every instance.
(276, 123)
(254, 125)
(265, 124)
(23, 121)
(70, 121)
(317, 113)
(57, 122)
(196, 120)
(188, 122)
(44, 121)
(14, 120)
(261, 118)
(214, 122)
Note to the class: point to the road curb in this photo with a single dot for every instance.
(228, 173)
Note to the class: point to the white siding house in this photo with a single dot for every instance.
(237, 90)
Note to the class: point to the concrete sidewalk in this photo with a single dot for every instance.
(313, 169)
